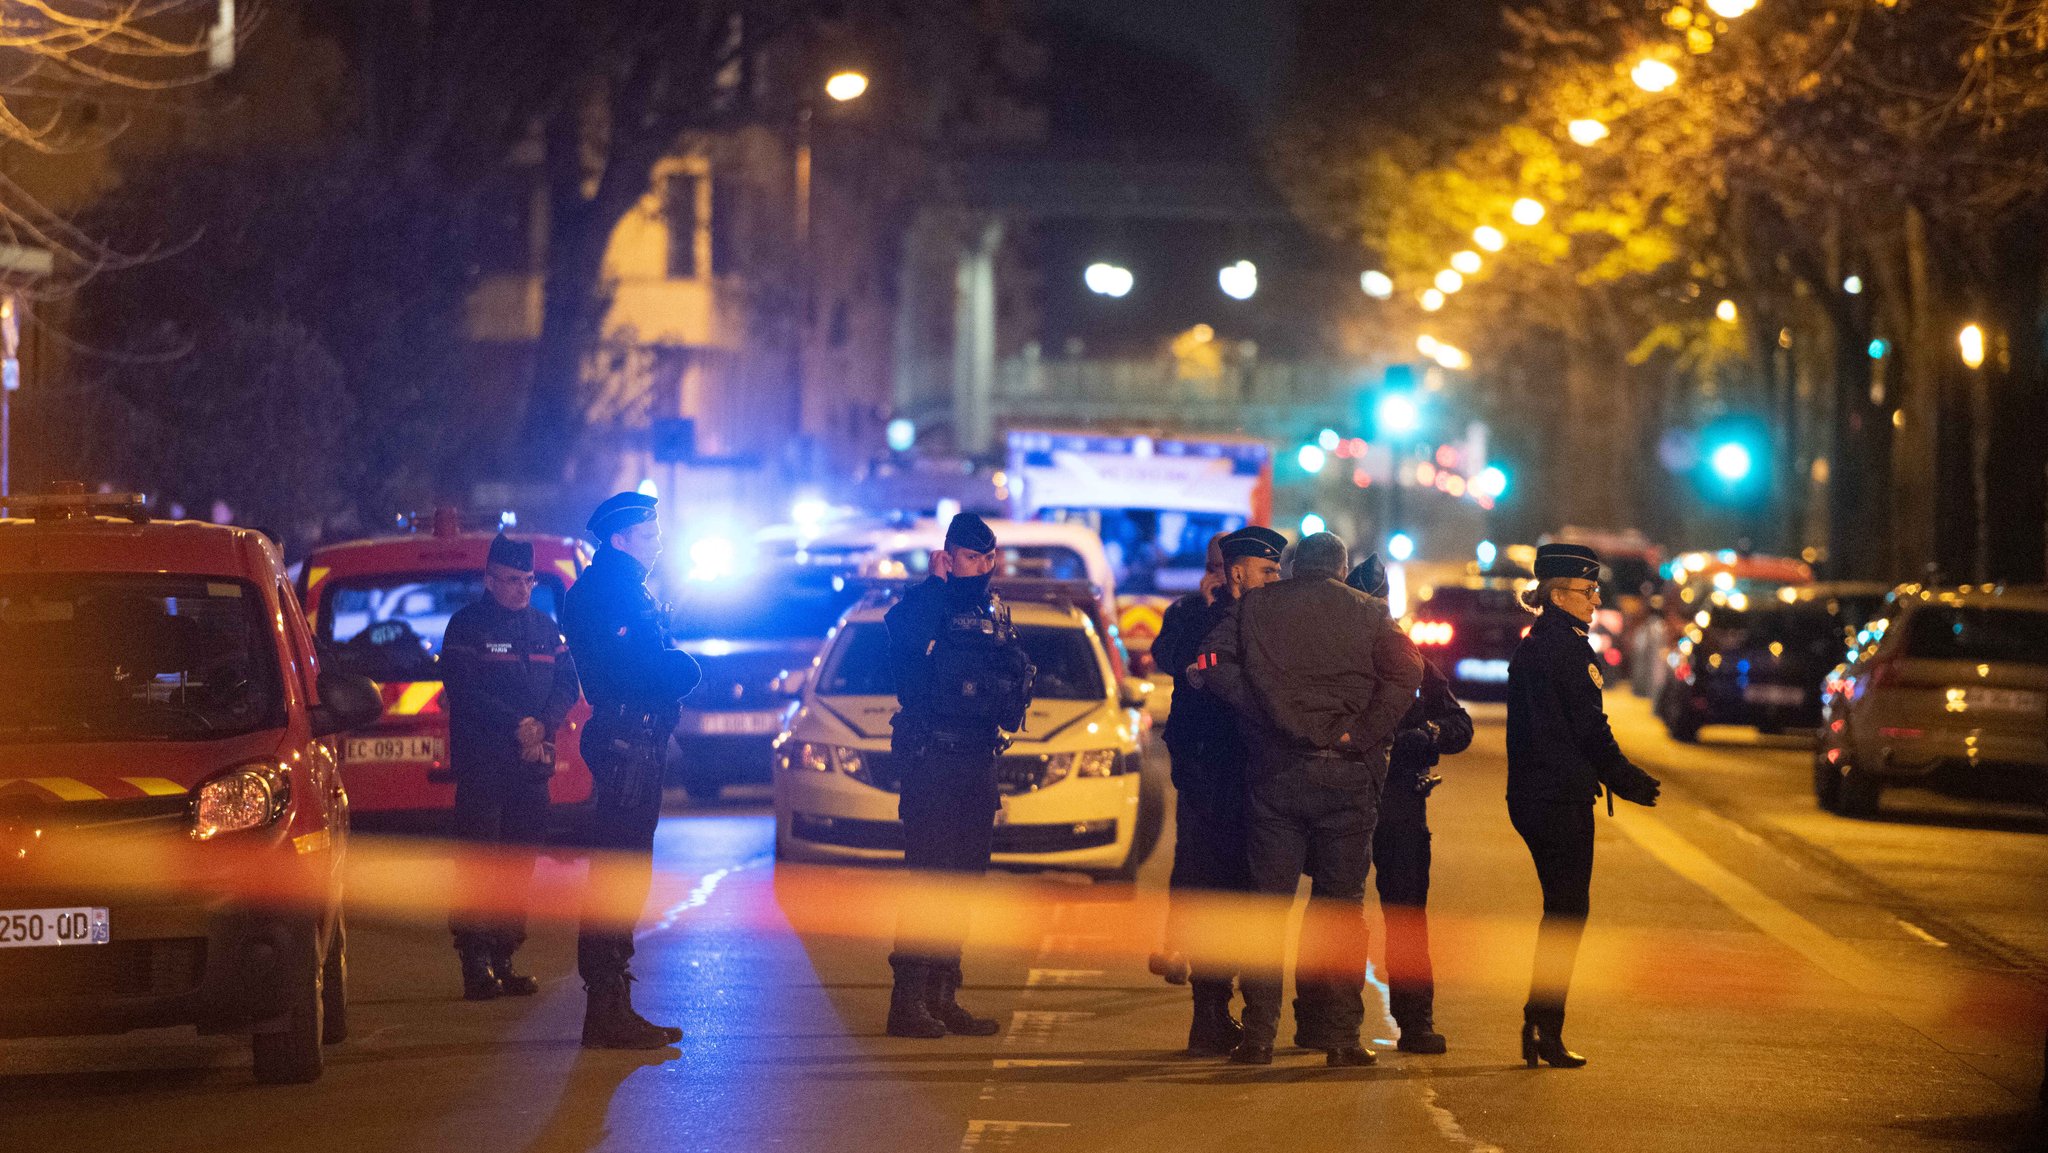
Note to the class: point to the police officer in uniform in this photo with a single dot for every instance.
(963, 680)
(634, 682)
(1208, 756)
(1561, 753)
(510, 684)
(1435, 724)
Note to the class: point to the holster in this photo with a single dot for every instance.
(624, 753)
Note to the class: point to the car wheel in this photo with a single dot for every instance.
(1827, 783)
(334, 987)
(291, 1055)
(1678, 721)
(1858, 793)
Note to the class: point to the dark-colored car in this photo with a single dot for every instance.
(1763, 661)
(748, 635)
(1469, 629)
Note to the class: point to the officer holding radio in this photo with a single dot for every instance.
(963, 681)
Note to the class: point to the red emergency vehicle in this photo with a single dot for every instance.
(379, 607)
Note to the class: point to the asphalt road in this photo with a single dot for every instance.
(1758, 975)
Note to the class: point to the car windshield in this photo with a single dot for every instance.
(1455, 601)
(1978, 633)
(388, 627)
(1153, 551)
(1064, 657)
(105, 657)
(793, 603)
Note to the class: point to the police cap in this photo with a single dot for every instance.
(970, 532)
(1253, 541)
(618, 513)
(511, 553)
(1571, 561)
(1369, 576)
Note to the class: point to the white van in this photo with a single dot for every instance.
(1026, 548)
(1071, 784)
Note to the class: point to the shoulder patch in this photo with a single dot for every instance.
(1593, 670)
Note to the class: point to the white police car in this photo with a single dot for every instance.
(1070, 784)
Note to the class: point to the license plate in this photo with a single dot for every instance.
(422, 750)
(1774, 694)
(1489, 672)
(2004, 700)
(739, 724)
(31, 928)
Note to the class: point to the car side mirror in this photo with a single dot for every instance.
(791, 683)
(347, 701)
(1133, 692)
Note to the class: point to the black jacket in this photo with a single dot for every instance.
(1315, 666)
(622, 651)
(1560, 748)
(502, 665)
(914, 623)
(1201, 732)
(1434, 705)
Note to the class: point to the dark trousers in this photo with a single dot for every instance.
(506, 813)
(1560, 840)
(1312, 816)
(947, 806)
(1210, 855)
(1400, 861)
(620, 835)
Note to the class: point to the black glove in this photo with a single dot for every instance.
(1636, 786)
(1416, 746)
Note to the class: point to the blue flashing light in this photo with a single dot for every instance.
(1732, 462)
(1878, 348)
(1401, 546)
(901, 434)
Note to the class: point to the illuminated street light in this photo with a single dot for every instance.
(1427, 345)
(1726, 312)
(1311, 458)
(845, 86)
(1491, 483)
(1653, 75)
(1376, 284)
(1731, 462)
(1432, 299)
(1527, 212)
(1448, 281)
(1451, 357)
(1586, 132)
(1401, 546)
(1107, 279)
(1971, 338)
(1853, 286)
(1466, 262)
(1397, 414)
(1239, 281)
(1730, 9)
(1488, 237)
(1312, 524)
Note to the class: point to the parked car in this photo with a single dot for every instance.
(1762, 662)
(1469, 629)
(172, 812)
(1072, 785)
(1694, 579)
(379, 606)
(1948, 690)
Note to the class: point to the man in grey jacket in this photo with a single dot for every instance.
(1320, 677)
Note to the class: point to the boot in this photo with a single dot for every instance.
(1214, 1032)
(942, 989)
(511, 984)
(1543, 1036)
(1252, 1053)
(609, 1021)
(910, 1013)
(479, 983)
(672, 1032)
(1352, 1056)
(1412, 1012)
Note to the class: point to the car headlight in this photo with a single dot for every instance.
(1095, 763)
(820, 758)
(247, 797)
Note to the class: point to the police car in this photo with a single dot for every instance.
(1071, 785)
(172, 816)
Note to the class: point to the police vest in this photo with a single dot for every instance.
(979, 670)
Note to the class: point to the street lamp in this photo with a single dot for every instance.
(1376, 284)
(1730, 9)
(1432, 299)
(1448, 281)
(1587, 132)
(1467, 262)
(1488, 237)
(1652, 75)
(1526, 212)
(1109, 280)
(845, 86)
(1239, 281)
(1726, 312)
(1971, 338)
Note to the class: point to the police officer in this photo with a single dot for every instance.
(634, 681)
(510, 684)
(1208, 756)
(1434, 725)
(1560, 754)
(962, 679)
(1319, 677)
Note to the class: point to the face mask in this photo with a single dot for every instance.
(968, 590)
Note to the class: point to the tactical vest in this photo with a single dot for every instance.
(980, 671)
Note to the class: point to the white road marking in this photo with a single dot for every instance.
(999, 1134)
(1921, 933)
(1041, 977)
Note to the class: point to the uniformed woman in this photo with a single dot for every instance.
(1560, 754)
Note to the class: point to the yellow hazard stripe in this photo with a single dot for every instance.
(567, 566)
(315, 575)
(417, 695)
(66, 789)
(156, 786)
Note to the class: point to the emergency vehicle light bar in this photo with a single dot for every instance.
(73, 503)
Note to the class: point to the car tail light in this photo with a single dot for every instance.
(1612, 656)
(1433, 633)
(1900, 732)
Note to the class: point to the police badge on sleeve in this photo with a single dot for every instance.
(1593, 670)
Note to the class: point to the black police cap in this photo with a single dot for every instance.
(1369, 576)
(511, 553)
(970, 532)
(1571, 561)
(618, 513)
(1254, 541)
